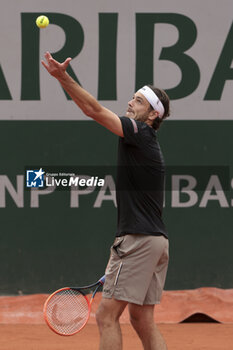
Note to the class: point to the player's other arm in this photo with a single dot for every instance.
(85, 101)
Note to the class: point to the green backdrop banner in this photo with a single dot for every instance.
(55, 238)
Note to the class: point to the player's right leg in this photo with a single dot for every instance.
(107, 318)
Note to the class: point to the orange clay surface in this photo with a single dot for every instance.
(22, 326)
(189, 336)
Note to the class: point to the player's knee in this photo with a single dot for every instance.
(109, 313)
(141, 321)
(103, 317)
(136, 322)
(100, 316)
(142, 327)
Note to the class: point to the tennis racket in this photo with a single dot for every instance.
(67, 310)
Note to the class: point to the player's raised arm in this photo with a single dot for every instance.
(86, 102)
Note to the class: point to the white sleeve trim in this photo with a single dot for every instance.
(135, 127)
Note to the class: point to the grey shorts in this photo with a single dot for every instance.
(137, 269)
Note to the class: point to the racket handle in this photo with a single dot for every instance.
(102, 279)
(100, 283)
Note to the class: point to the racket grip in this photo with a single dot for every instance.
(102, 279)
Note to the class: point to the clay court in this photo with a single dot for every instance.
(196, 336)
(22, 326)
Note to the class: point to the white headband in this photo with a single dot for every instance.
(153, 99)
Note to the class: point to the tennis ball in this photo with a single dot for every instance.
(42, 21)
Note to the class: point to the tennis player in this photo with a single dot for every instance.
(136, 271)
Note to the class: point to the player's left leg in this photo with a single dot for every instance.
(142, 320)
(107, 317)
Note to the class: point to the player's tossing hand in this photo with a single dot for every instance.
(55, 68)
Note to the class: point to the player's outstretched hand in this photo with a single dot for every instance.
(55, 68)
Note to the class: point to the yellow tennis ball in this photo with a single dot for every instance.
(42, 21)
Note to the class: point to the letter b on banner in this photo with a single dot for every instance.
(145, 23)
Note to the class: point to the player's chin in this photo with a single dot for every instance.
(130, 114)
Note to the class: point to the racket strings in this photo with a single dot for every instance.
(67, 311)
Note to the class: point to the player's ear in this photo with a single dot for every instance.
(153, 115)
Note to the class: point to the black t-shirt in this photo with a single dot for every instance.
(140, 181)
